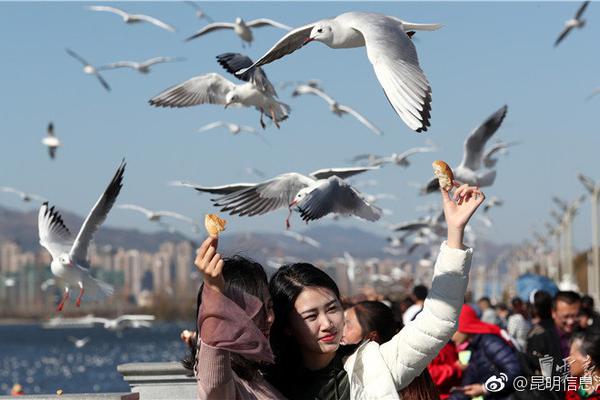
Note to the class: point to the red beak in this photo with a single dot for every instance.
(307, 41)
(293, 203)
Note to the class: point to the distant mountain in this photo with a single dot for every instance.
(21, 227)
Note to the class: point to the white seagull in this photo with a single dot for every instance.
(69, 255)
(79, 343)
(335, 107)
(200, 14)
(302, 238)
(141, 67)
(125, 321)
(468, 170)
(156, 216)
(400, 159)
(389, 48)
(488, 160)
(212, 88)
(576, 22)
(26, 197)
(233, 128)
(133, 18)
(51, 141)
(88, 68)
(320, 193)
(241, 28)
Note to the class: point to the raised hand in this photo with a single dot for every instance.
(210, 264)
(459, 210)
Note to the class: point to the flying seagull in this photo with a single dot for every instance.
(200, 14)
(335, 107)
(51, 141)
(240, 27)
(69, 255)
(26, 197)
(576, 22)
(88, 68)
(156, 216)
(141, 67)
(389, 48)
(133, 18)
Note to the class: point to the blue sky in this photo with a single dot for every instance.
(486, 55)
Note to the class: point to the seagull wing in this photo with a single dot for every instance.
(102, 81)
(175, 215)
(430, 186)
(113, 10)
(233, 62)
(119, 64)
(563, 34)
(50, 129)
(155, 21)
(77, 57)
(360, 118)
(97, 215)
(137, 208)
(264, 197)
(308, 89)
(260, 22)
(52, 152)
(8, 189)
(223, 190)
(210, 88)
(475, 143)
(394, 58)
(587, 182)
(336, 196)
(160, 60)
(54, 235)
(215, 26)
(581, 9)
(286, 45)
(342, 173)
(212, 125)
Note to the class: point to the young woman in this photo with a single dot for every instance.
(234, 319)
(309, 324)
(373, 320)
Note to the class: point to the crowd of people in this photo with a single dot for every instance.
(294, 337)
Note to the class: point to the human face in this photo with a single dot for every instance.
(317, 320)
(566, 316)
(459, 338)
(352, 330)
(577, 361)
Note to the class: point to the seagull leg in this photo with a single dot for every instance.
(287, 220)
(262, 123)
(273, 116)
(78, 302)
(62, 302)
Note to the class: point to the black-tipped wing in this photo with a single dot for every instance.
(340, 172)
(336, 196)
(581, 9)
(233, 62)
(223, 190)
(215, 26)
(475, 143)
(264, 197)
(54, 235)
(563, 34)
(97, 216)
(77, 57)
(431, 186)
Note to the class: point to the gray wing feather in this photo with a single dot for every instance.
(475, 143)
(233, 62)
(340, 172)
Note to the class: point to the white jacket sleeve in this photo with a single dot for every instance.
(409, 352)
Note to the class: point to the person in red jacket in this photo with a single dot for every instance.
(445, 370)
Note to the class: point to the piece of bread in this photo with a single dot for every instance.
(444, 174)
(214, 224)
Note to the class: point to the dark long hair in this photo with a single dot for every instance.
(285, 286)
(242, 274)
(374, 316)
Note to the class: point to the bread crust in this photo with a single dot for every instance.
(444, 174)
(214, 225)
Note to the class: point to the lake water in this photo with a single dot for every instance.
(45, 360)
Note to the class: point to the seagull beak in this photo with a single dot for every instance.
(293, 203)
(307, 41)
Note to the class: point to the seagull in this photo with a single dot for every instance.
(141, 67)
(89, 68)
(302, 238)
(51, 141)
(69, 255)
(79, 343)
(492, 202)
(233, 128)
(335, 107)
(361, 158)
(467, 171)
(400, 159)
(389, 48)
(200, 14)
(576, 22)
(500, 148)
(320, 193)
(156, 216)
(212, 88)
(26, 197)
(133, 18)
(241, 28)
(125, 321)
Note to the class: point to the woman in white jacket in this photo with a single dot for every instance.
(309, 324)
